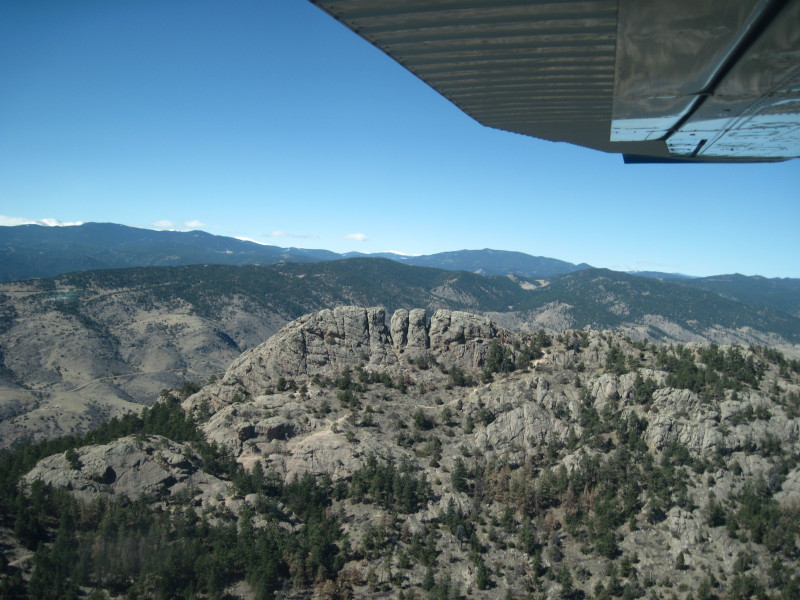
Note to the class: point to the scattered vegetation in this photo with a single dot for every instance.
(551, 516)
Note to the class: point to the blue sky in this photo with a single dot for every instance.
(270, 121)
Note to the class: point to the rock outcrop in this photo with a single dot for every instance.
(133, 466)
(330, 341)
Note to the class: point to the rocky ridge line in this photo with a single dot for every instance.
(329, 341)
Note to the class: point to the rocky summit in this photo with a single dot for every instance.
(434, 455)
(330, 341)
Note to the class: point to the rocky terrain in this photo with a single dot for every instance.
(79, 349)
(435, 454)
(133, 467)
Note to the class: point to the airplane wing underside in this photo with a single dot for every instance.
(662, 80)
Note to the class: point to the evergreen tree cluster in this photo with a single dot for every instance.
(393, 488)
(140, 550)
(719, 370)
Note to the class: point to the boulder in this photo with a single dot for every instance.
(133, 466)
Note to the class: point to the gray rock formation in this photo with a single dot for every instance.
(330, 341)
(133, 466)
(682, 417)
(399, 328)
(417, 335)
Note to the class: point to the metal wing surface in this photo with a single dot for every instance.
(657, 80)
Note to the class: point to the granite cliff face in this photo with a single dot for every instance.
(575, 465)
(327, 342)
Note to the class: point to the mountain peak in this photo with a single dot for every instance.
(329, 341)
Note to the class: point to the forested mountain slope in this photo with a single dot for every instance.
(780, 293)
(29, 251)
(601, 298)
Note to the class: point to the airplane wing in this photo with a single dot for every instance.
(656, 80)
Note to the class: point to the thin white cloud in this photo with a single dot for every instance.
(279, 233)
(646, 265)
(57, 223)
(164, 224)
(401, 253)
(194, 223)
(247, 239)
(358, 237)
(13, 221)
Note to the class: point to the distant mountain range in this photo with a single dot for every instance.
(31, 251)
(547, 455)
(35, 251)
(486, 262)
